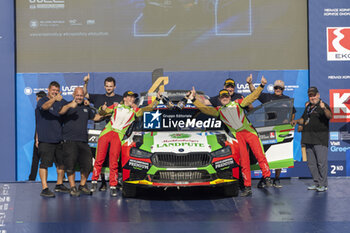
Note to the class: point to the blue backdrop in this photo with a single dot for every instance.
(208, 81)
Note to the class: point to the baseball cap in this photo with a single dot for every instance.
(229, 82)
(41, 94)
(130, 93)
(224, 92)
(312, 91)
(278, 83)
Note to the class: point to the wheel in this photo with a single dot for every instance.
(231, 190)
(128, 190)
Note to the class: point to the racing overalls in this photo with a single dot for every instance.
(234, 118)
(112, 134)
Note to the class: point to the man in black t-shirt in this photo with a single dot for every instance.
(109, 98)
(315, 123)
(75, 141)
(49, 129)
(278, 87)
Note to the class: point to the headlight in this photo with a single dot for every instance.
(134, 152)
(222, 152)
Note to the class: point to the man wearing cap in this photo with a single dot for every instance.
(229, 85)
(123, 115)
(278, 87)
(36, 158)
(108, 98)
(315, 123)
(75, 140)
(232, 114)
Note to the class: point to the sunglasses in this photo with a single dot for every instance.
(277, 87)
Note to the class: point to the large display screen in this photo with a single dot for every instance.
(177, 35)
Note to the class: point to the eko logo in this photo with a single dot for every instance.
(338, 43)
(151, 120)
(340, 104)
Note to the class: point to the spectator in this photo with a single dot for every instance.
(278, 87)
(75, 137)
(36, 158)
(49, 129)
(315, 123)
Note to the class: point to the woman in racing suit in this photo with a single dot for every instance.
(232, 114)
(123, 115)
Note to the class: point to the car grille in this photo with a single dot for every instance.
(181, 161)
(184, 176)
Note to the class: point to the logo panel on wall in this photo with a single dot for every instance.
(338, 43)
(340, 104)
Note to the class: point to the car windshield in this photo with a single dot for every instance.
(277, 112)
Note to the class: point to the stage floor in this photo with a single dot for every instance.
(290, 209)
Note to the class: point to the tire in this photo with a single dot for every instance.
(128, 190)
(231, 190)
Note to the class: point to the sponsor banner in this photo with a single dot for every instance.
(340, 104)
(329, 49)
(337, 168)
(338, 43)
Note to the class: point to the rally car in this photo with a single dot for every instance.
(178, 146)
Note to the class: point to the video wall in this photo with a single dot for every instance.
(177, 35)
(198, 43)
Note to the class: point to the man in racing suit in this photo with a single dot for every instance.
(123, 115)
(232, 114)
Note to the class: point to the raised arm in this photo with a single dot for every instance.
(327, 112)
(250, 83)
(86, 80)
(254, 95)
(48, 104)
(149, 107)
(65, 108)
(208, 110)
(104, 110)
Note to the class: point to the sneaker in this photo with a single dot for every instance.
(264, 182)
(277, 183)
(268, 182)
(113, 191)
(312, 187)
(61, 188)
(246, 192)
(93, 186)
(74, 192)
(47, 193)
(103, 187)
(84, 189)
(321, 188)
